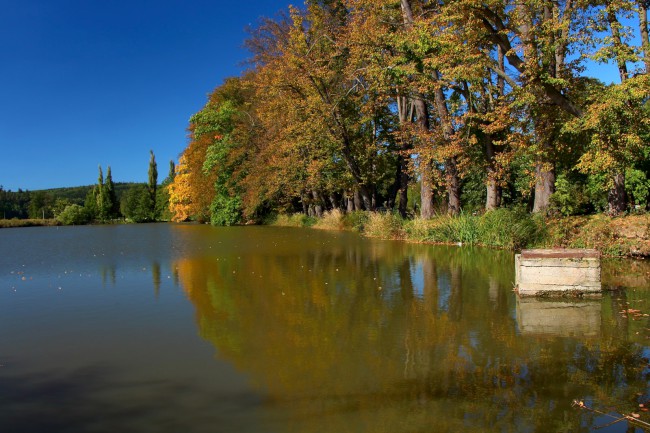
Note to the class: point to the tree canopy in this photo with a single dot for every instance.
(348, 103)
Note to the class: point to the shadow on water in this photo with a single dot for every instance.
(91, 400)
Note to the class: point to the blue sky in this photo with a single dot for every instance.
(89, 82)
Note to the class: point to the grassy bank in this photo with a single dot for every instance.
(27, 223)
(512, 229)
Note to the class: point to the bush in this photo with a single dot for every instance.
(73, 214)
(225, 211)
(568, 198)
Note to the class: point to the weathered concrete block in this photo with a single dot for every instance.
(557, 272)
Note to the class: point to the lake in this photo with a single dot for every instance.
(192, 328)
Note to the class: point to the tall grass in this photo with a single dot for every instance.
(294, 220)
(15, 222)
(384, 226)
(502, 228)
(331, 220)
(511, 229)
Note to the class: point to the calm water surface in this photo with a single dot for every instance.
(188, 328)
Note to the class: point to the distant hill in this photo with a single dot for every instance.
(77, 194)
(22, 203)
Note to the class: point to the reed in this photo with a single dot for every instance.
(294, 220)
(331, 220)
(385, 226)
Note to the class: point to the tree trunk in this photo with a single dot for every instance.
(453, 187)
(493, 191)
(493, 194)
(426, 192)
(616, 197)
(618, 44)
(350, 203)
(400, 194)
(544, 187)
(358, 201)
(318, 204)
(645, 41)
(305, 203)
(451, 170)
(334, 201)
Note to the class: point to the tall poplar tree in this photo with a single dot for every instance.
(99, 196)
(153, 182)
(111, 206)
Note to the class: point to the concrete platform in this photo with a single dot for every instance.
(558, 272)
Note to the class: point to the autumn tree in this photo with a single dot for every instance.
(305, 68)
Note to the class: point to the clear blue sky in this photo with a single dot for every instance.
(89, 82)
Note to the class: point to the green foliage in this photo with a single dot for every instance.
(503, 228)
(152, 185)
(463, 228)
(225, 211)
(40, 205)
(162, 203)
(214, 118)
(637, 186)
(569, 197)
(111, 206)
(90, 204)
(511, 228)
(73, 214)
(136, 204)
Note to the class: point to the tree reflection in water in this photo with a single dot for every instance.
(351, 335)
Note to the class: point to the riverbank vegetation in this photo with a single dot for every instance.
(458, 122)
(512, 229)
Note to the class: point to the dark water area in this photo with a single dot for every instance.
(169, 328)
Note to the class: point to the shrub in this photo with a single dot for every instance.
(73, 214)
(568, 198)
(225, 211)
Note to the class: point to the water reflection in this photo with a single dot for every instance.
(349, 335)
(561, 318)
(336, 333)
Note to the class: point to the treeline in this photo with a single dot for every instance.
(103, 202)
(46, 203)
(427, 107)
